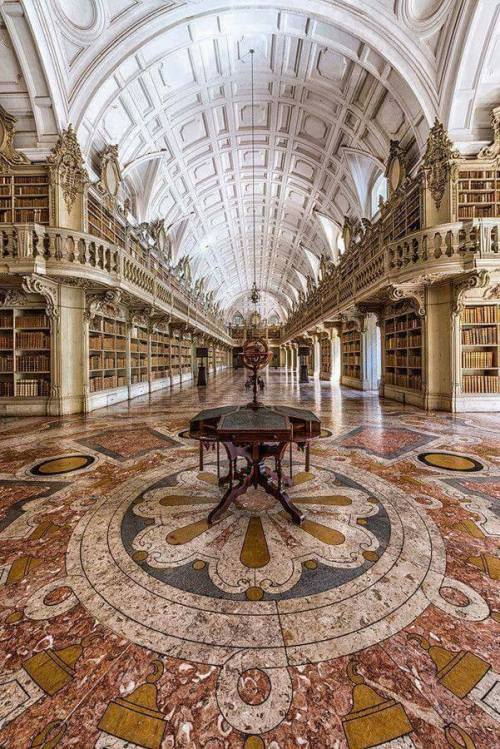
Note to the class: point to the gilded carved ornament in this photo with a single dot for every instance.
(102, 302)
(436, 165)
(493, 151)
(9, 156)
(476, 280)
(67, 165)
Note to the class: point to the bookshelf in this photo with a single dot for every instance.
(139, 355)
(403, 361)
(478, 190)
(160, 356)
(325, 357)
(103, 223)
(185, 358)
(107, 354)
(351, 352)
(219, 358)
(479, 349)
(25, 348)
(24, 198)
(404, 215)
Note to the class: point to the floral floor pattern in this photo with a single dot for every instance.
(126, 621)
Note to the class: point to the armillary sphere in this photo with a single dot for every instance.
(255, 353)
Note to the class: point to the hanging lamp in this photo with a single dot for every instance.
(254, 295)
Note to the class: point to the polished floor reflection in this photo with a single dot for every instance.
(126, 621)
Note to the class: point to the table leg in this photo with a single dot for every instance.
(232, 492)
(201, 456)
(308, 457)
(218, 460)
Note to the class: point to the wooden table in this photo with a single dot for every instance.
(255, 434)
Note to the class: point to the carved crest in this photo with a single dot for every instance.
(66, 165)
(436, 164)
(476, 280)
(396, 166)
(111, 175)
(37, 285)
(11, 297)
(8, 154)
(161, 239)
(413, 291)
(492, 151)
(102, 302)
(347, 232)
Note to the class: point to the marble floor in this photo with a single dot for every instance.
(126, 621)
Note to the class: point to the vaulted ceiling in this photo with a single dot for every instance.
(170, 83)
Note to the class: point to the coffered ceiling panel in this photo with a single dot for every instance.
(169, 82)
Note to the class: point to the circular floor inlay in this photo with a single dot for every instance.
(66, 464)
(254, 686)
(249, 582)
(451, 462)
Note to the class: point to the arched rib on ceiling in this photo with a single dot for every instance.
(178, 91)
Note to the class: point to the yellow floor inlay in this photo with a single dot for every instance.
(455, 462)
(254, 553)
(62, 465)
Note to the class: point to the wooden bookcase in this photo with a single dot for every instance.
(107, 354)
(325, 357)
(403, 363)
(480, 349)
(219, 358)
(185, 357)
(160, 356)
(24, 198)
(351, 352)
(139, 350)
(478, 190)
(25, 348)
(404, 215)
(103, 223)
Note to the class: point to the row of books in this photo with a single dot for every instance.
(6, 363)
(410, 341)
(37, 363)
(478, 174)
(411, 381)
(477, 359)
(6, 388)
(476, 211)
(6, 341)
(5, 320)
(32, 321)
(139, 347)
(32, 340)
(471, 184)
(113, 326)
(485, 313)
(479, 336)
(32, 388)
(348, 347)
(480, 384)
(476, 197)
(106, 382)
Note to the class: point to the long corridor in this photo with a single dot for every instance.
(126, 621)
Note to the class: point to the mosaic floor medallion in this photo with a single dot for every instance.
(450, 462)
(66, 464)
(255, 593)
